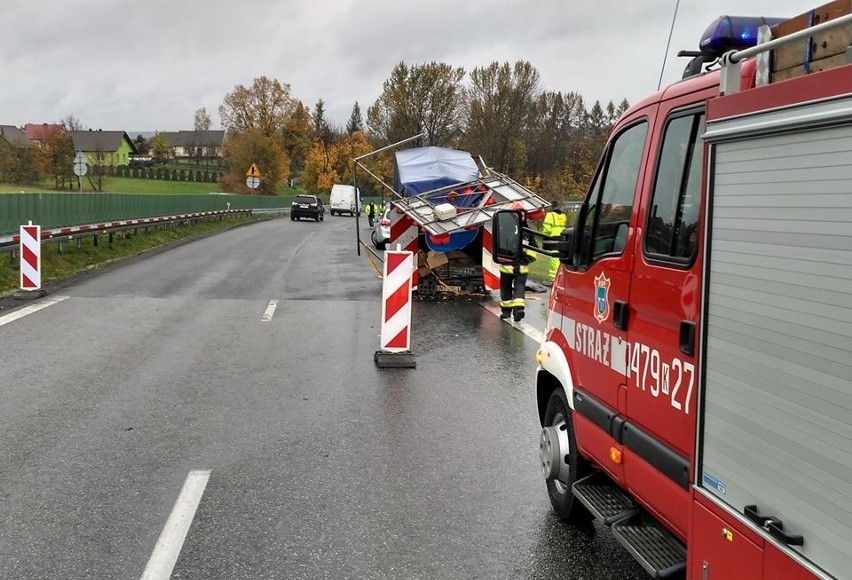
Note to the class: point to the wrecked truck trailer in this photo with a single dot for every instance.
(442, 206)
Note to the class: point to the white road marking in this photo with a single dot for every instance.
(170, 542)
(270, 311)
(20, 313)
(527, 329)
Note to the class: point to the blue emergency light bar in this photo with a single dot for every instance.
(733, 33)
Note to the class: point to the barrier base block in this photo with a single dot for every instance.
(28, 294)
(394, 360)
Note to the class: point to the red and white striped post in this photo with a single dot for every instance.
(30, 249)
(404, 232)
(490, 270)
(396, 312)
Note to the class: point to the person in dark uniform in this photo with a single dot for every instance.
(513, 282)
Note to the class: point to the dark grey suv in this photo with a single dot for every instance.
(309, 206)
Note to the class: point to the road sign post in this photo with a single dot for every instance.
(80, 168)
(253, 177)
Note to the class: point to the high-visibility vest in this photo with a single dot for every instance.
(522, 268)
(554, 223)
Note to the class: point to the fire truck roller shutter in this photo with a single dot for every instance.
(777, 386)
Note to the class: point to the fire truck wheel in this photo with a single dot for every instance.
(558, 444)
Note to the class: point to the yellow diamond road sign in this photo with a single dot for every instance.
(253, 171)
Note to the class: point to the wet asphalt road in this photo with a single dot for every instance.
(321, 465)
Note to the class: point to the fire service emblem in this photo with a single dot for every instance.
(601, 297)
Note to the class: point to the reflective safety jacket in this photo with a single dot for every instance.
(522, 268)
(554, 223)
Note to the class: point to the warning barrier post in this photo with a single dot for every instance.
(396, 312)
(30, 266)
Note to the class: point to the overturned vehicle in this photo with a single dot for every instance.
(442, 205)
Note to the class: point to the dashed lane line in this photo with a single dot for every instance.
(27, 310)
(270, 311)
(171, 539)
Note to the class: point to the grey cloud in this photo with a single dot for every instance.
(150, 65)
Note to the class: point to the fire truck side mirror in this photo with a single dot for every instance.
(561, 247)
(506, 237)
(565, 246)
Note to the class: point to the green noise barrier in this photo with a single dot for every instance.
(53, 210)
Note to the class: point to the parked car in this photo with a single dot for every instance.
(381, 229)
(344, 199)
(309, 206)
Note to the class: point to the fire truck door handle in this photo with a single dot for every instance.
(750, 512)
(619, 314)
(776, 530)
(687, 337)
(773, 525)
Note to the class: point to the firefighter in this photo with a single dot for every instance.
(554, 222)
(370, 210)
(513, 283)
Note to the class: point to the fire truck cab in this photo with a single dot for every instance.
(695, 378)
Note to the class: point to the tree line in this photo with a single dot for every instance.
(548, 140)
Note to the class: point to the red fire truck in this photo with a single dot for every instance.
(695, 379)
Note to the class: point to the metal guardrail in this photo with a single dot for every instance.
(11, 242)
(270, 210)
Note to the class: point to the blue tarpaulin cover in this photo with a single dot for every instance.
(426, 168)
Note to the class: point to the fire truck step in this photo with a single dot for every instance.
(659, 553)
(606, 501)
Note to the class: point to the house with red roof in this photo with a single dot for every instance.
(37, 133)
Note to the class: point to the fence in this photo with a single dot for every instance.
(199, 175)
(52, 210)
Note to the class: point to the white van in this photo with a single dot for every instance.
(344, 199)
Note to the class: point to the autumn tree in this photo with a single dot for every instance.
(266, 151)
(265, 105)
(320, 171)
(326, 166)
(417, 99)
(297, 137)
(55, 157)
(160, 148)
(257, 118)
(17, 164)
(501, 99)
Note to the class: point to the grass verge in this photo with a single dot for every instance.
(539, 269)
(72, 261)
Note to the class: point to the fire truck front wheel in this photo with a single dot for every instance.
(560, 462)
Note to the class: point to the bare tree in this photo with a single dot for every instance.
(203, 122)
(424, 98)
(502, 98)
(72, 123)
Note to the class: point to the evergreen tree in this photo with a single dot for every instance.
(356, 122)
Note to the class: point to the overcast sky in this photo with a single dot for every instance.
(148, 65)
